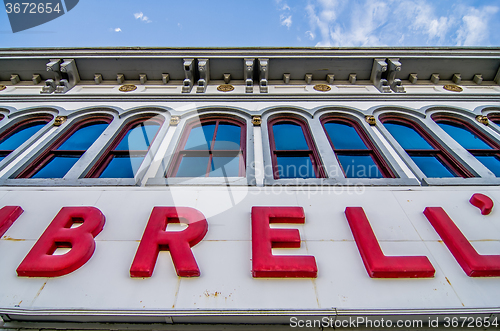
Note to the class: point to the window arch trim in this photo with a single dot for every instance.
(371, 149)
(312, 152)
(190, 124)
(16, 127)
(108, 155)
(43, 159)
(438, 150)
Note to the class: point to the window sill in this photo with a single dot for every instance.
(69, 182)
(200, 181)
(343, 182)
(460, 181)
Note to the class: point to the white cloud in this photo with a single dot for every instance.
(140, 16)
(286, 20)
(285, 16)
(118, 30)
(397, 23)
(474, 30)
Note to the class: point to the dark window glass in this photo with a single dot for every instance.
(344, 136)
(491, 162)
(357, 157)
(84, 137)
(122, 166)
(359, 166)
(58, 159)
(431, 166)
(223, 166)
(57, 167)
(126, 158)
(139, 138)
(228, 137)
(293, 151)
(464, 137)
(20, 136)
(193, 166)
(289, 136)
(213, 148)
(486, 150)
(126, 153)
(427, 154)
(295, 167)
(200, 137)
(407, 136)
(17, 135)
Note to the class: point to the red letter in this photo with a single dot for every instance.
(41, 263)
(8, 215)
(376, 263)
(474, 264)
(179, 243)
(264, 263)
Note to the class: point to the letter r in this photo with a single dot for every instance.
(179, 243)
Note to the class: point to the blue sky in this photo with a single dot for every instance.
(272, 23)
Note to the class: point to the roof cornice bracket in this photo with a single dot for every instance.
(187, 84)
(204, 70)
(263, 75)
(378, 68)
(248, 71)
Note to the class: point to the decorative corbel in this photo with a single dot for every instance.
(393, 67)
(248, 70)
(187, 84)
(204, 70)
(71, 76)
(378, 68)
(263, 75)
(50, 84)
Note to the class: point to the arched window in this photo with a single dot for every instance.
(212, 147)
(355, 152)
(426, 152)
(486, 150)
(293, 151)
(59, 158)
(126, 153)
(17, 134)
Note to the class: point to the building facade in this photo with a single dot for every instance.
(249, 186)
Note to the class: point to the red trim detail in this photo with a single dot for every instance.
(40, 261)
(179, 243)
(371, 150)
(180, 152)
(376, 263)
(473, 264)
(312, 152)
(483, 202)
(264, 263)
(8, 215)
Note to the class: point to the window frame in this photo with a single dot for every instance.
(370, 150)
(438, 150)
(180, 151)
(49, 153)
(105, 158)
(10, 130)
(495, 147)
(312, 152)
